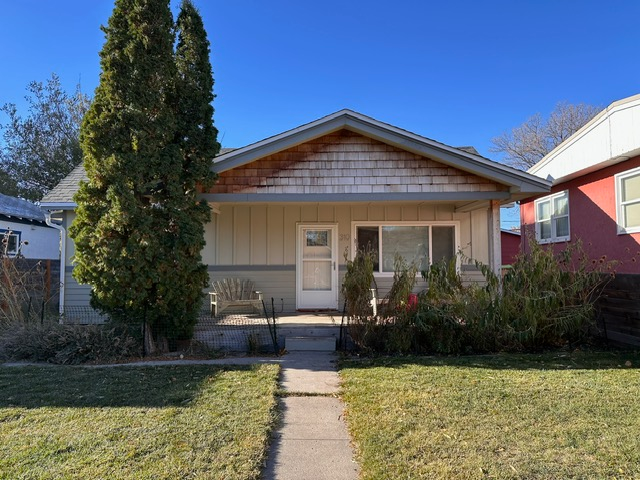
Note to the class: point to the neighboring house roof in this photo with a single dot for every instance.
(512, 232)
(62, 194)
(518, 184)
(469, 150)
(611, 137)
(20, 209)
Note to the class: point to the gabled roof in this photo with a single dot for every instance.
(519, 184)
(20, 209)
(611, 137)
(462, 158)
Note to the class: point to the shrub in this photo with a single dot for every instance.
(22, 285)
(545, 300)
(356, 290)
(548, 299)
(66, 344)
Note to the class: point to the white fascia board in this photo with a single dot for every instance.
(58, 205)
(611, 137)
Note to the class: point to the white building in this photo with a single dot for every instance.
(23, 226)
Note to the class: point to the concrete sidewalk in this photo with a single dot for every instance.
(312, 442)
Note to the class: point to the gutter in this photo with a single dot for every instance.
(63, 257)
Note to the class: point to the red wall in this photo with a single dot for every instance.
(592, 218)
(510, 245)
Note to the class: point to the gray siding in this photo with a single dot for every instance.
(76, 295)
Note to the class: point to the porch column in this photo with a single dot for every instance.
(495, 249)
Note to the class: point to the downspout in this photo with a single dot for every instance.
(63, 257)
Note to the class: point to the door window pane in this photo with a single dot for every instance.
(317, 238)
(316, 275)
(317, 244)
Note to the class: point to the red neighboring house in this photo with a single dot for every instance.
(510, 245)
(595, 193)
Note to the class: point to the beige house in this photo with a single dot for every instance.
(286, 210)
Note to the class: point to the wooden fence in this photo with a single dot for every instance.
(619, 310)
(36, 283)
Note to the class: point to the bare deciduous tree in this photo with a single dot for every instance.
(525, 145)
(39, 150)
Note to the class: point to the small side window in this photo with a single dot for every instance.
(628, 201)
(10, 242)
(552, 218)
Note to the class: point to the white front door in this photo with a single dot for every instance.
(317, 268)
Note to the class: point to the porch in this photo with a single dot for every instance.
(251, 332)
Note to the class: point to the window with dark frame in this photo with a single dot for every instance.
(419, 244)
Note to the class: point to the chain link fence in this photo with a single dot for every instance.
(233, 330)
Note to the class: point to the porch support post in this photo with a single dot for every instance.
(495, 249)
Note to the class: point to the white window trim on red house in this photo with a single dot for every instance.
(621, 220)
(552, 219)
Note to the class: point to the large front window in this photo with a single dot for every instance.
(418, 244)
(552, 218)
(628, 201)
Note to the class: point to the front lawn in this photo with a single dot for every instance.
(501, 417)
(169, 422)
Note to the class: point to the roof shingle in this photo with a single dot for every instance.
(19, 208)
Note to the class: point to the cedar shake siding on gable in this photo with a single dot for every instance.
(346, 162)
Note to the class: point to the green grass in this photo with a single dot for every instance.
(170, 422)
(555, 416)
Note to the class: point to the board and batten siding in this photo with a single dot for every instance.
(259, 241)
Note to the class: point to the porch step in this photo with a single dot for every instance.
(310, 344)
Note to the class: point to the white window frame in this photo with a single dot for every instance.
(552, 218)
(11, 233)
(620, 217)
(453, 223)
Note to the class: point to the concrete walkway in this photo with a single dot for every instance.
(312, 442)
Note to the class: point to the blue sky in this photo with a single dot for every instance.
(460, 72)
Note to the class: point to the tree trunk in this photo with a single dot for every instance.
(149, 342)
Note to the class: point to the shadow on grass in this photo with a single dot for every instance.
(81, 387)
(559, 360)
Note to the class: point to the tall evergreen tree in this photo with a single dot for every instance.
(197, 134)
(138, 231)
(196, 137)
